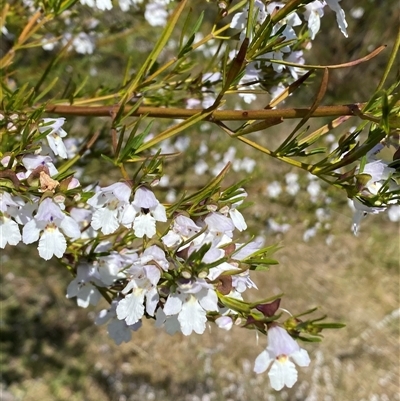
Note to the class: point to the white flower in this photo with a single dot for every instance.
(211, 256)
(191, 301)
(125, 4)
(361, 211)
(170, 323)
(100, 4)
(54, 137)
(142, 284)
(111, 266)
(243, 252)
(148, 210)
(48, 220)
(242, 281)
(280, 348)
(313, 189)
(9, 231)
(183, 228)
(275, 227)
(110, 203)
(292, 183)
(379, 171)
(82, 288)
(314, 12)
(296, 57)
(117, 329)
(274, 189)
(394, 213)
(236, 217)
(239, 20)
(224, 322)
(219, 229)
(32, 162)
(155, 13)
(340, 15)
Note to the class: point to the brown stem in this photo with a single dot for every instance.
(217, 115)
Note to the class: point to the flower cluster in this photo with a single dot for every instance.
(194, 273)
(377, 185)
(286, 35)
(179, 264)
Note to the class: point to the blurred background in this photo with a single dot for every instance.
(50, 348)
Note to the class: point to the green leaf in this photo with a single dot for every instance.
(385, 113)
(176, 129)
(235, 304)
(158, 48)
(329, 325)
(266, 300)
(188, 45)
(134, 141)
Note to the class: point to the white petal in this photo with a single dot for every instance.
(153, 274)
(282, 374)
(224, 322)
(88, 295)
(131, 308)
(119, 331)
(152, 299)
(145, 199)
(73, 288)
(301, 357)
(192, 317)
(9, 232)
(57, 145)
(314, 24)
(208, 301)
(6, 201)
(238, 219)
(128, 215)
(247, 250)
(52, 242)
(144, 224)
(120, 190)
(159, 213)
(262, 362)
(171, 239)
(49, 211)
(173, 305)
(215, 272)
(105, 220)
(280, 342)
(70, 227)
(30, 232)
(218, 222)
(172, 325)
(340, 15)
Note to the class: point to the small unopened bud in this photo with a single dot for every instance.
(59, 198)
(186, 274)
(224, 210)
(203, 274)
(212, 208)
